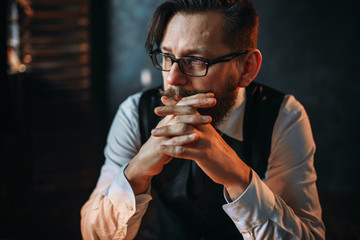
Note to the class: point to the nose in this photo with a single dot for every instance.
(175, 76)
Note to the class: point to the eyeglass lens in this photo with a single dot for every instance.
(187, 65)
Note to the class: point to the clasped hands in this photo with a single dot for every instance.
(184, 133)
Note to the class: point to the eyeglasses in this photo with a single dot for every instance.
(192, 66)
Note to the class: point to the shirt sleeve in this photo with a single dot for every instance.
(113, 211)
(284, 205)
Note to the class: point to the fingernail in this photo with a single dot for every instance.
(155, 131)
(192, 136)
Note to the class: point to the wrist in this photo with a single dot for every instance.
(238, 188)
(138, 182)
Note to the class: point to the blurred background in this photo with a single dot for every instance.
(66, 65)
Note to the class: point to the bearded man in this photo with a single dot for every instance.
(212, 154)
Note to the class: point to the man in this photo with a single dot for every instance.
(193, 177)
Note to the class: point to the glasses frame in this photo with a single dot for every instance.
(208, 63)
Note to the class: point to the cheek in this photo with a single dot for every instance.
(199, 84)
(213, 81)
(165, 84)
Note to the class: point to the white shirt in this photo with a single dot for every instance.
(284, 205)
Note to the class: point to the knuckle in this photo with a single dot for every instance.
(162, 130)
(183, 127)
(174, 120)
(177, 119)
(174, 141)
(179, 150)
(190, 110)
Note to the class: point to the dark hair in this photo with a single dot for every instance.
(240, 20)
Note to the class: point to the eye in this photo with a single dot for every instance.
(192, 61)
(166, 58)
(187, 62)
(166, 55)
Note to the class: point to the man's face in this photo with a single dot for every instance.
(200, 34)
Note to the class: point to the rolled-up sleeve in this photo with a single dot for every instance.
(113, 211)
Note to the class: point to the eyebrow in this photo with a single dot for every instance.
(190, 51)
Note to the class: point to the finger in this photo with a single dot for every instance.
(173, 130)
(165, 121)
(181, 151)
(171, 101)
(174, 110)
(168, 101)
(198, 102)
(192, 119)
(182, 140)
(201, 100)
(200, 95)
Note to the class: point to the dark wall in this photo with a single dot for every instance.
(309, 50)
(49, 152)
(130, 67)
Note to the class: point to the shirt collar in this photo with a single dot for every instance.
(233, 124)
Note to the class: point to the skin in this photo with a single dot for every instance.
(184, 133)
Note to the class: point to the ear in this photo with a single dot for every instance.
(250, 66)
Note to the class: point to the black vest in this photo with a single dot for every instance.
(186, 203)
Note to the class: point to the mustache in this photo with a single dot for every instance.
(179, 92)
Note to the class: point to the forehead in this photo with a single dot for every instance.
(199, 32)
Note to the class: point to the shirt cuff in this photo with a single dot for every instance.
(253, 207)
(122, 196)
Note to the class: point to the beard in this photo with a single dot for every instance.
(225, 98)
